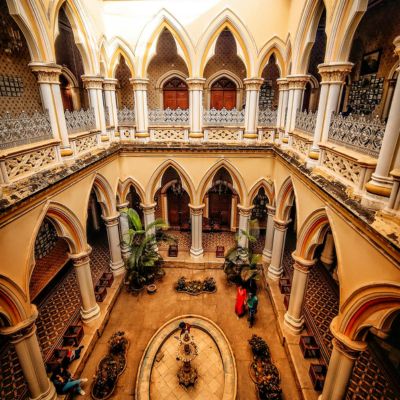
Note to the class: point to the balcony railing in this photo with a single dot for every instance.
(169, 117)
(80, 121)
(357, 132)
(126, 116)
(24, 129)
(306, 121)
(223, 117)
(267, 117)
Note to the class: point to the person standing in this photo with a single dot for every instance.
(241, 296)
(252, 303)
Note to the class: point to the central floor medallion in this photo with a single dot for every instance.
(189, 357)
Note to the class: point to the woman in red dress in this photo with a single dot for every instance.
(240, 301)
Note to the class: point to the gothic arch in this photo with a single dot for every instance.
(224, 73)
(169, 75)
(148, 39)
(124, 187)
(104, 194)
(268, 187)
(245, 44)
(121, 49)
(155, 181)
(276, 47)
(285, 199)
(238, 183)
(13, 302)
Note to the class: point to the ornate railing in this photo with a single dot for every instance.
(306, 121)
(169, 116)
(80, 121)
(24, 128)
(225, 117)
(363, 134)
(267, 117)
(107, 115)
(126, 116)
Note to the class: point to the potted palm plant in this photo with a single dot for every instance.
(144, 265)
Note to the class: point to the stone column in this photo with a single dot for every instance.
(23, 337)
(285, 137)
(141, 111)
(344, 354)
(269, 235)
(275, 267)
(90, 310)
(394, 200)
(381, 183)
(389, 97)
(333, 78)
(251, 111)
(117, 264)
(195, 86)
(244, 218)
(283, 88)
(49, 85)
(124, 229)
(93, 211)
(94, 87)
(109, 86)
(328, 253)
(294, 319)
(149, 212)
(196, 214)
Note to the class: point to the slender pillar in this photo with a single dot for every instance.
(94, 87)
(394, 200)
(23, 337)
(275, 267)
(149, 212)
(283, 88)
(328, 253)
(251, 112)
(381, 182)
(244, 218)
(196, 214)
(109, 86)
(195, 86)
(269, 236)
(93, 212)
(294, 319)
(117, 264)
(389, 98)
(344, 354)
(141, 110)
(333, 78)
(285, 138)
(49, 85)
(124, 229)
(234, 205)
(90, 310)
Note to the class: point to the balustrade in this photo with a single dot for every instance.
(225, 117)
(126, 116)
(306, 121)
(169, 117)
(357, 132)
(24, 129)
(267, 117)
(80, 121)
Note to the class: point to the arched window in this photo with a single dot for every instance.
(175, 93)
(223, 94)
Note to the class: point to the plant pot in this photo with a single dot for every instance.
(151, 289)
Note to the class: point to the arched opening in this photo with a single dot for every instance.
(258, 220)
(134, 202)
(125, 98)
(224, 93)
(269, 93)
(175, 94)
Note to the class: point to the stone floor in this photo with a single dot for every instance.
(141, 316)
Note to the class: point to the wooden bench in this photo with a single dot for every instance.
(173, 250)
(220, 252)
(309, 347)
(55, 359)
(73, 335)
(317, 374)
(107, 279)
(285, 285)
(100, 293)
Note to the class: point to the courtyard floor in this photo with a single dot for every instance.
(141, 316)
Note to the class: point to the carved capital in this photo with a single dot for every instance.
(148, 208)
(283, 84)
(281, 225)
(253, 83)
(111, 221)
(334, 73)
(110, 84)
(23, 333)
(93, 82)
(245, 211)
(301, 264)
(81, 259)
(122, 206)
(195, 83)
(271, 210)
(344, 349)
(23, 329)
(196, 210)
(298, 81)
(46, 73)
(139, 83)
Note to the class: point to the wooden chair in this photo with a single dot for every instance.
(173, 250)
(73, 335)
(317, 374)
(309, 347)
(220, 252)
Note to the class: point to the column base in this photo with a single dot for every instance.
(196, 253)
(274, 272)
(66, 152)
(142, 135)
(293, 324)
(250, 135)
(196, 135)
(91, 314)
(373, 201)
(117, 268)
(381, 189)
(51, 394)
(266, 255)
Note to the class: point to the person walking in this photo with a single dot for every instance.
(241, 296)
(252, 304)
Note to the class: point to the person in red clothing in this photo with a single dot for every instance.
(241, 297)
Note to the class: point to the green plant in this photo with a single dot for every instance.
(145, 263)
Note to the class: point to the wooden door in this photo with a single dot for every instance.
(175, 94)
(223, 94)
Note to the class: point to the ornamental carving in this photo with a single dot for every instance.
(47, 74)
(169, 116)
(267, 117)
(224, 135)
(86, 143)
(283, 84)
(358, 132)
(168, 134)
(342, 167)
(346, 350)
(28, 163)
(80, 121)
(300, 145)
(110, 84)
(93, 82)
(297, 82)
(334, 73)
(223, 117)
(24, 128)
(306, 121)
(126, 116)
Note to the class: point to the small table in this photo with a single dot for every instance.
(220, 252)
(107, 279)
(173, 250)
(284, 285)
(100, 293)
(317, 374)
(73, 335)
(309, 347)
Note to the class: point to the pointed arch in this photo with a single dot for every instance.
(238, 181)
(155, 180)
(285, 199)
(120, 48)
(223, 73)
(244, 42)
(124, 187)
(373, 305)
(268, 186)
(275, 47)
(305, 35)
(149, 36)
(104, 194)
(103, 59)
